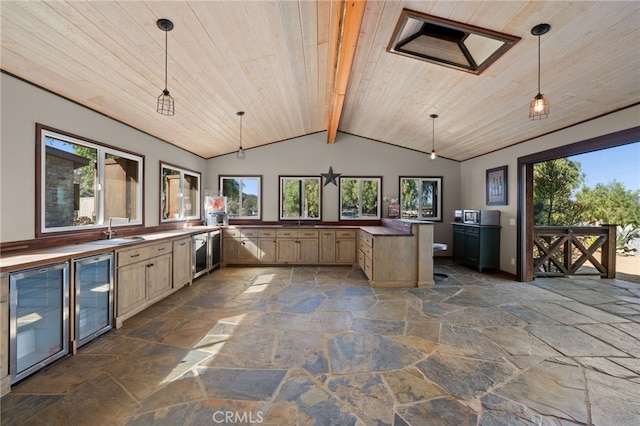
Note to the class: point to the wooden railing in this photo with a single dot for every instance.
(562, 251)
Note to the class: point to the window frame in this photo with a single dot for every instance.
(258, 217)
(361, 179)
(182, 173)
(300, 180)
(103, 150)
(438, 201)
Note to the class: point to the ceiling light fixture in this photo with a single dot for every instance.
(240, 154)
(165, 101)
(539, 107)
(433, 155)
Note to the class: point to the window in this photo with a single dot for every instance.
(180, 196)
(360, 198)
(300, 198)
(243, 196)
(421, 198)
(84, 183)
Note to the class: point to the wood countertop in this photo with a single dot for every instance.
(34, 258)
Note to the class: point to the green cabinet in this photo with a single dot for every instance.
(477, 246)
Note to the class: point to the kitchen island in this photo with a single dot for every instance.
(397, 254)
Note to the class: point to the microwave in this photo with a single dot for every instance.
(481, 217)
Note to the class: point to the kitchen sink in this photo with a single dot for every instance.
(117, 241)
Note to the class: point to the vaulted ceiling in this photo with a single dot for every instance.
(277, 61)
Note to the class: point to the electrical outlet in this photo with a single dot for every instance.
(513, 260)
(512, 221)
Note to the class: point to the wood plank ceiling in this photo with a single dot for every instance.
(277, 61)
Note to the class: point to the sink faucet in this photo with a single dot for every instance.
(109, 233)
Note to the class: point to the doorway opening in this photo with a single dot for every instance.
(526, 266)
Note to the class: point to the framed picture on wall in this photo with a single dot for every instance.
(496, 186)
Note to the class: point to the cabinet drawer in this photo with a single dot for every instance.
(159, 249)
(266, 233)
(249, 233)
(127, 257)
(472, 231)
(366, 238)
(365, 248)
(346, 233)
(307, 233)
(287, 233)
(231, 233)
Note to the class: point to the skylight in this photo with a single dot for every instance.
(448, 43)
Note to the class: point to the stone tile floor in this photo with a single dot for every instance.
(317, 345)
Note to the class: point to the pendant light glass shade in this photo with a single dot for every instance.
(240, 155)
(165, 101)
(539, 107)
(433, 155)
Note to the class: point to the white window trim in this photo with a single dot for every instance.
(183, 173)
(300, 179)
(101, 221)
(378, 201)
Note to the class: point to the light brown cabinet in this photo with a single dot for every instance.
(5, 379)
(297, 246)
(144, 275)
(267, 245)
(240, 246)
(182, 262)
(398, 259)
(338, 246)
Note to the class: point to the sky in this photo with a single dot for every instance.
(621, 163)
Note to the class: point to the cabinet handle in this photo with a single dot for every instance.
(163, 248)
(150, 265)
(135, 255)
(183, 244)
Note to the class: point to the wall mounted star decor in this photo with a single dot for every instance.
(330, 177)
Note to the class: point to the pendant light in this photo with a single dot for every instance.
(539, 107)
(240, 154)
(433, 155)
(165, 101)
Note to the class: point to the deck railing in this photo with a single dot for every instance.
(564, 251)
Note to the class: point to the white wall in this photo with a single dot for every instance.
(472, 172)
(24, 105)
(349, 156)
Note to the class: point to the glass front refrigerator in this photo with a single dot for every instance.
(39, 318)
(94, 297)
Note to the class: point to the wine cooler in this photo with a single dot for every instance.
(39, 318)
(93, 297)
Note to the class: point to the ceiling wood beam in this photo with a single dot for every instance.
(346, 18)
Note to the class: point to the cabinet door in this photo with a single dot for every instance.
(472, 246)
(132, 287)
(158, 275)
(308, 250)
(248, 250)
(346, 250)
(287, 250)
(327, 247)
(181, 262)
(267, 250)
(230, 250)
(458, 243)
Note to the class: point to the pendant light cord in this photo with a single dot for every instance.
(433, 134)
(538, 64)
(166, 48)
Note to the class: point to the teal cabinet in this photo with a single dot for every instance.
(477, 246)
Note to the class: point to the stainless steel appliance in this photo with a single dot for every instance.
(38, 318)
(200, 243)
(481, 217)
(215, 249)
(93, 297)
(457, 215)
